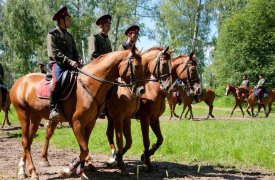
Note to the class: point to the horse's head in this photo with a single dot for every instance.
(132, 72)
(185, 69)
(159, 66)
(227, 89)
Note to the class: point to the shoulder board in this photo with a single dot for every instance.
(53, 31)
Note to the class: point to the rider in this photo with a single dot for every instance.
(260, 87)
(3, 87)
(63, 55)
(245, 84)
(132, 33)
(100, 43)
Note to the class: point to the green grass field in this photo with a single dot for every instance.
(239, 143)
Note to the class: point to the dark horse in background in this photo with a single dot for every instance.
(5, 109)
(207, 95)
(81, 109)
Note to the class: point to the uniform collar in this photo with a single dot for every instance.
(103, 35)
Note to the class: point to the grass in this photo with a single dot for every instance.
(238, 143)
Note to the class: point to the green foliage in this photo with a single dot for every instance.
(246, 45)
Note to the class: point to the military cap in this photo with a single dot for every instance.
(133, 28)
(61, 13)
(104, 19)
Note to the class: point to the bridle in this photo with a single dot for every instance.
(133, 80)
(186, 68)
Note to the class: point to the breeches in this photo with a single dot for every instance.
(57, 72)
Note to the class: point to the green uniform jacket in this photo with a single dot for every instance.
(99, 44)
(61, 47)
(125, 46)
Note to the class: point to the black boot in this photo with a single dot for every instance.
(54, 114)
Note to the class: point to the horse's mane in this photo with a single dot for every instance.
(99, 59)
(152, 49)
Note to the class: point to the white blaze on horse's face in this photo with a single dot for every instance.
(227, 90)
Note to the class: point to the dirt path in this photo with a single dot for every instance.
(10, 148)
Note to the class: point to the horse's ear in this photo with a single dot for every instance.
(166, 49)
(191, 55)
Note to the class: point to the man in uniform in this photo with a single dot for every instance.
(42, 68)
(63, 55)
(260, 87)
(245, 84)
(132, 34)
(245, 81)
(100, 43)
(3, 87)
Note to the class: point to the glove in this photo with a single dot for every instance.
(74, 64)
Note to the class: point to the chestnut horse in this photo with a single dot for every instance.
(81, 109)
(123, 105)
(190, 81)
(238, 101)
(207, 95)
(152, 106)
(6, 109)
(252, 101)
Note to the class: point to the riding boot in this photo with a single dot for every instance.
(4, 97)
(54, 114)
(259, 101)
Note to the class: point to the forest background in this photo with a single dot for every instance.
(243, 44)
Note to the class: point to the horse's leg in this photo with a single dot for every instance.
(233, 109)
(174, 107)
(79, 162)
(191, 112)
(183, 109)
(119, 142)
(110, 136)
(145, 157)
(171, 110)
(26, 143)
(269, 109)
(88, 131)
(127, 134)
(186, 113)
(49, 133)
(252, 110)
(156, 129)
(240, 106)
(247, 110)
(7, 115)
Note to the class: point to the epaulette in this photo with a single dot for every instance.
(52, 31)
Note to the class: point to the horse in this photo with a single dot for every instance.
(81, 109)
(190, 81)
(207, 95)
(123, 106)
(6, 110)
(238, 101)
(152, 105)
(252, 101)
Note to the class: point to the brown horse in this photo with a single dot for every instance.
(152, 105)
(6, 109)
(252, 101)
(238, 101)
(123, 105)
(207, 95)
(190, 81)
(81, 109)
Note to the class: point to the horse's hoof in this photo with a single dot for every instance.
(45, 164)
(21, 176)
(111, 163)
(124, 172)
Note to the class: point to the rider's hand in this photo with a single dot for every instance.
(74, 64)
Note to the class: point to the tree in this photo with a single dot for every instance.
(246, 44)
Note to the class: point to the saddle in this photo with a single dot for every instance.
(68, 82)
(261, 92)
